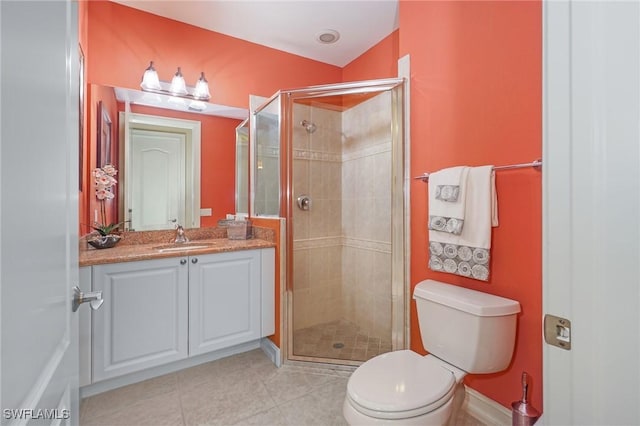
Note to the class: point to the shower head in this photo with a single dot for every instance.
(308, 126)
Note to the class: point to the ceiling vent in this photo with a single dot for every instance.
(327, 36)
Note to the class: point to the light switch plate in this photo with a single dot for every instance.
(205, 212)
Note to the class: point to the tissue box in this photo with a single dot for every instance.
(239, 230)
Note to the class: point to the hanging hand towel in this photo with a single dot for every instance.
(447, 192)
(467, 254)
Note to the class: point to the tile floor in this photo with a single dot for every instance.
(244, 389)
(339, 340)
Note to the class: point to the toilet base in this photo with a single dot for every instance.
(458, 400)
(441, 416)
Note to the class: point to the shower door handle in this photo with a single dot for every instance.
(304, 202)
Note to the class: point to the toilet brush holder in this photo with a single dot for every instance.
(522, 413)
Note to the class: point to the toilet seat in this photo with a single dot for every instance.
(400, 385)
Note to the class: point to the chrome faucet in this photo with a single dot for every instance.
(180, 235)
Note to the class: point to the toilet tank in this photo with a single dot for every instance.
(471, 330)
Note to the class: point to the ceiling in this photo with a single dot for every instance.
(289, 25)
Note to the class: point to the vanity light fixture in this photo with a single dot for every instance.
(200, 93)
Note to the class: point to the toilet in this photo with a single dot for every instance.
(464, 331)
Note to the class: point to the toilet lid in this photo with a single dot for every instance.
(400, 384)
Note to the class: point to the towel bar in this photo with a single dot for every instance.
(536, 164)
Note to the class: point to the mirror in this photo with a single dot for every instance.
(162, 165)
(203, 180)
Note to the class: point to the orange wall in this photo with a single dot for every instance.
(123, 40)
(218, 160)
(476, 99)
(380, 61)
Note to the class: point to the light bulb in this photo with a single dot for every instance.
(202, 89)
(150, 80)
(178, 85)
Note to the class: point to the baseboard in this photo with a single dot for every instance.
(485, 409)
(271, 350)
(139, 376)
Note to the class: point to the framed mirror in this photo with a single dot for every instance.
(216, 184)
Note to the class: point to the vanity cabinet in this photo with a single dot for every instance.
(143, 321)
(159, 311)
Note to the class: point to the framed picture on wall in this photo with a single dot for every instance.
(103, 146)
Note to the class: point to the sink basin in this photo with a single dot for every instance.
(183, 247)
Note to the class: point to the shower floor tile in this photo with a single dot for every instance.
(339, 340)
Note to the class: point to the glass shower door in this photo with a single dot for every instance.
(341, 288)
(330, 160)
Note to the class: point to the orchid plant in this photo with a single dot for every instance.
(104, 181)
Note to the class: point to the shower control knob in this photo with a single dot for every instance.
(304, 202)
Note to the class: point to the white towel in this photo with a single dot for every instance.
(494, 199)
(467, 254)
(447, 193)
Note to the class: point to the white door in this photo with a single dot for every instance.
(592, 210)
(158, 171)
(39, 211)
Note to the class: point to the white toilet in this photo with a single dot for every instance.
(465, 331)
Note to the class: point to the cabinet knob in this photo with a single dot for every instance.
(183, 261)
(194, 260)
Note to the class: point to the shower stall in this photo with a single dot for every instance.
(331, 160)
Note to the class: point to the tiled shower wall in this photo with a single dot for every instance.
(366, 215)
(317, 232)
(342, 245)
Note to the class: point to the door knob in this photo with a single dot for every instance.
(93, 297)
(194, 260)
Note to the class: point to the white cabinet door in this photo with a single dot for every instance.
(224, 300)
(143, 321)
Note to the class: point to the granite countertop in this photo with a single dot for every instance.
(149, 245)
